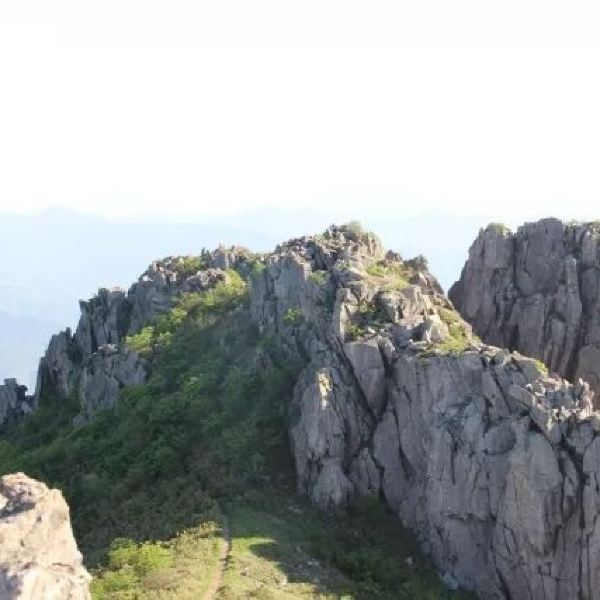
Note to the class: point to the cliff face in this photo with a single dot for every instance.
(38, 554)
(493, 463)
(490, 461)
(537, 291)
(14, 402)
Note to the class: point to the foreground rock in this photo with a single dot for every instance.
(38, 554)
(537, 291)
(492, 463)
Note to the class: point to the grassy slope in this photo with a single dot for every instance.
(144, 481)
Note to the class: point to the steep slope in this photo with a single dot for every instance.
(208, 427)
(386, 394)
(92, 365)
(487, 458)
(536, 291)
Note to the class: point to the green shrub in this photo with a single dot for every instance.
(354, 332)
(257, 266)
(179, 568)
(459, 338)
(391, 275)
(143, 341)
(318, 277)
(186, 266)
(356, 229)
(292, 316)
(499, 228)
(224, 296)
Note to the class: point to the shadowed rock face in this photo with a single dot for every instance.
(537, 291)
(490, 461)
(38, 554)
(14, 402)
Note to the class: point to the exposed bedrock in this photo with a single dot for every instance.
(490, 461)
(94, 364)
(14, 402)
(537, 291)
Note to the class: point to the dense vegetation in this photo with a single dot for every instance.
(148, 482)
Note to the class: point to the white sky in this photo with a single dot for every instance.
(207, 108)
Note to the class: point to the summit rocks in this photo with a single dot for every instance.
(537, 291)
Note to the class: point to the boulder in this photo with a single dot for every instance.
(38, 554)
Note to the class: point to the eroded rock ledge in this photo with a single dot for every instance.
(38, 554)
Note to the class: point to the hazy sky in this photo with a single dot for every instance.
(215, 107)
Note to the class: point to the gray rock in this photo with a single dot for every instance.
(38, 554)
(536, 291)
(104, 375)
(478, 451)
(492, 462)
(95, 363)
(14, 402)
(367, 364)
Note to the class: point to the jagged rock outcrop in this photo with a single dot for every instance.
(94, 363)
(38, 554)
(537, 291)
(14, 402)
(490, 461)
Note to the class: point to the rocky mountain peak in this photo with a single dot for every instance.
(489, 458)
(95, 363)
(537, 291)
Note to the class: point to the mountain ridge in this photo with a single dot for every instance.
(490, 460)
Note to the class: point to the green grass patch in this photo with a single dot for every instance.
(459, 340)
(284, 548)
(181, 568)
(389, 275)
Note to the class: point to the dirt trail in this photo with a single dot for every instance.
(217, 579)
